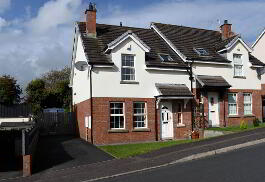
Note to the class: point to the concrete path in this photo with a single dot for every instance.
(154, 160)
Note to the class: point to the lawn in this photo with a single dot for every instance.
(237, 128)
(129, 150)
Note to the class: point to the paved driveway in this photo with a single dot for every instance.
(60, 152)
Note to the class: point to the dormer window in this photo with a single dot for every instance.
(127, 67)
(201, 52)
(165, 57)
(238, 65)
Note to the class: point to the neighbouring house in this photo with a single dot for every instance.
(135, 84)
(259, 52)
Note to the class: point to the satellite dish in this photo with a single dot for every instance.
(81, 65)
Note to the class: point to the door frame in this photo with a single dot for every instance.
(217, 121)
(171, 133)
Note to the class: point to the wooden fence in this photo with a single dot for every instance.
(14, 111)
(57, 123)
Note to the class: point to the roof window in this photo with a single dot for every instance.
(165, 57)
(201, 51)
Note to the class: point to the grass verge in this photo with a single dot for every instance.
(130, 150)
(237, 128)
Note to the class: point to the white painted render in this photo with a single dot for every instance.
(227, 71)
(259, 48)
(106, 81)
(81, 83)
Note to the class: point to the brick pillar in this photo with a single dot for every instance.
(27, 165)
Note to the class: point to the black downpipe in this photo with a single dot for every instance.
(191, 87)
(91, 103)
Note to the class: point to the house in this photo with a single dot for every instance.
(258, 51)
(135, 85)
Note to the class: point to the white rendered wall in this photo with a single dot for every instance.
(81, 83)
(259, 49)
(227, 71)
(106, 81)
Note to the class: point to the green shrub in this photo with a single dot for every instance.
(243, 125)
(256, 122)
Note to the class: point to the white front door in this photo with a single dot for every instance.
(166, 120)
(213, 109)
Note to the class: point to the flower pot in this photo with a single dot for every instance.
(195, 135)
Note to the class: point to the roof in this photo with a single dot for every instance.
(259, 37)
(95, 47)
(212, 81)
(186, 39)
(177, 90)
(255, 61)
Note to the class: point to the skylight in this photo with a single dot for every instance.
(165, 57)
(201, 51)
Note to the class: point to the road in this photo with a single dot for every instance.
(244, 165)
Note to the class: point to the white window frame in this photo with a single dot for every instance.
(238, 65)
(248, 103)
(229, 104)
(141, 114)
(123, 114)
(181, 112)
(128, 67)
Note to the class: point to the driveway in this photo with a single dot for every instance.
(61, 152)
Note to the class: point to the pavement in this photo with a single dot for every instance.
(153, 160)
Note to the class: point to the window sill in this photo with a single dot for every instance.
(249, 115)
(141, 130)
(180, 125)
(118, 131)
(129, 82)
(233, 116)
(242, 77)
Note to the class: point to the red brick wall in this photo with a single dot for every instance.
(102, 134)
(226, 120)
(82, 110)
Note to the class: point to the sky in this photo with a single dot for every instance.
(37, 35)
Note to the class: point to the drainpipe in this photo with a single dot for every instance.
(156, 128)
(91, 102)
(191, 87)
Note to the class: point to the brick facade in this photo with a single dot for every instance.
(102, 134)
(224, 118)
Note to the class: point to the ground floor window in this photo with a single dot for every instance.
(232, 104)
(247, 103)
(117, 115)
(139, 115)
(179, 113)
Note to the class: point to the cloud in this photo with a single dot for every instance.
(4, 5)
(31, 46)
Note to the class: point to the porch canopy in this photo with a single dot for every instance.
(206, 81)
(173, 91)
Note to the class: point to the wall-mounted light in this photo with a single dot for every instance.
(129, 48)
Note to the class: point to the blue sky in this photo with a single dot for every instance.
(37, 35)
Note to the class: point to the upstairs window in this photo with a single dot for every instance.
(238, 65)
(201, 51)
(127, 67)
(165, 57)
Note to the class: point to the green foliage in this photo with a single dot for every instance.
(51, 90)
(10, 91)
(256, 122)
(243, 125)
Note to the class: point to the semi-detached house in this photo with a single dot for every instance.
(135, 85)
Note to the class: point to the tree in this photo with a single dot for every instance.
(36, 95)
(10, 91)
(50, 90)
